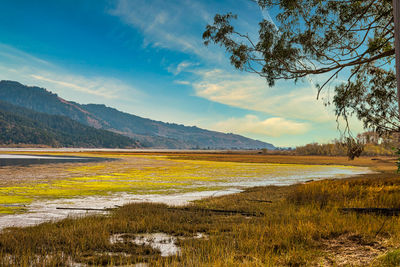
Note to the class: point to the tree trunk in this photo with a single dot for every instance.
(396, 16)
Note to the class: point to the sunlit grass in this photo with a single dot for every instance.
(292, 230)
(287, 234)
(380, 193)
(392, 258)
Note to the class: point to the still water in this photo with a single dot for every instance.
(25, 160)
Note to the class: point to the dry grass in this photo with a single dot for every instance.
(383, 163)
(302, 226)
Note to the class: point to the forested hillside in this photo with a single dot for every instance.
(170, 134)
(24, 126)
(149, 133)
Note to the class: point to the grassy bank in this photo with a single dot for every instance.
(290, 226)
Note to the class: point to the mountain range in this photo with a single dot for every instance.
(119, 129)
(19, 125)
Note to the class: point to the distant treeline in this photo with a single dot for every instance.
(371, 143)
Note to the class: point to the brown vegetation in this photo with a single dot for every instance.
(299, 225)
(370, 143)
(383, 162)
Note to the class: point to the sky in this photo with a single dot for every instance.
(147, 57)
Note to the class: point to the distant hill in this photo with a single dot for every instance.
(148, 132)
(24, 126)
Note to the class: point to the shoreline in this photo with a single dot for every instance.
(45, 210)
(132, 150)
(57, 210)
(299, 224)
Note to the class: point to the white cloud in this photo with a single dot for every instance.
(251, 92)
(274, 127)
(182, 82)
(174, 25)
(184, 65)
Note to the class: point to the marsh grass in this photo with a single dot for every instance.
(291, 232)
(392, 258)
(371, 190)
(294, 230)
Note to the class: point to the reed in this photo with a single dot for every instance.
(297, 226)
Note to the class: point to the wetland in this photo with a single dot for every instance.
(76, 183)
(151, 209)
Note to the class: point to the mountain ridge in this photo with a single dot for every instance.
(19, 125)
(150, 133)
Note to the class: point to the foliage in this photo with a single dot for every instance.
(171, 135)
(20, 125)
(310, 37)
(335, 149)
(371, 97)
(364, 145)
(354, 148)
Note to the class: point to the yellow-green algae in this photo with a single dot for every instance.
(178, 176)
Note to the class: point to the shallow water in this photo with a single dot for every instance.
(42, 211)
(149, 179)
(25, 160)
(162, 242)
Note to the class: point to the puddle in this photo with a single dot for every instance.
(162, 242)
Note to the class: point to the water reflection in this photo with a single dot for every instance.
(25, 160)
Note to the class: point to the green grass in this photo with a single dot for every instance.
(392, 258)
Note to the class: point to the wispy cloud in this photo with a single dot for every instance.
(182, 82)
(107, 89)
(164, 24)
(18, 57)
(168, 24)
(250, 92)
(251, 124)
(184, 65)
(25, 68)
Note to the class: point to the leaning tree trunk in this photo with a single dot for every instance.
(396, 16)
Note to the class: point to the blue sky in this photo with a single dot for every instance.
(146, 57)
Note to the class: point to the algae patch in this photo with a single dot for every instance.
(145, 175)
